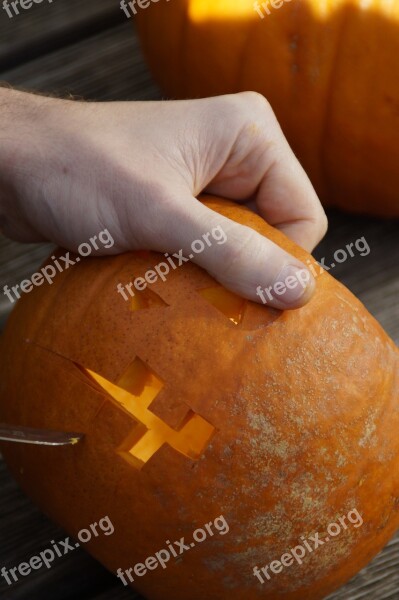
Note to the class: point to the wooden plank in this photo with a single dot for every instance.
(378, 581)
(17, 262)
(48, 26)
(106, 66)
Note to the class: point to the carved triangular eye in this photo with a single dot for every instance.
(134, 393)
(146, 299)
(231, 305)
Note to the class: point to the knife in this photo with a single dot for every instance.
(41, 437)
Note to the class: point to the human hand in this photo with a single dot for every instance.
(70, 169)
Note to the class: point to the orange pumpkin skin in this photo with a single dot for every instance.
(329, 70)
(304, 406)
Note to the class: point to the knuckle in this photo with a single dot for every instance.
(258, 104)
(322, 224)
(255, 98)
(250, 105)
(318, 226)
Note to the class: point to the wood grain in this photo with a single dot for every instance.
(105, 66)
(48, 26)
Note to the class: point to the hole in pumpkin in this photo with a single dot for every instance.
(231, 305)
(146, 299)
(134, 393)
(139, 381)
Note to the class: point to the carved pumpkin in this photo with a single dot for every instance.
(329, 70)
(194, 404)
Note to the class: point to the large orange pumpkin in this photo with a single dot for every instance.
(196, 404)
(329, 69)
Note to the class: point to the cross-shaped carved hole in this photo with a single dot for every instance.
(134, 393)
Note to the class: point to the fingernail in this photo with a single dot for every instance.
(293, 284)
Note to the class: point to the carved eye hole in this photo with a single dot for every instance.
(229, 304)
(146, 299)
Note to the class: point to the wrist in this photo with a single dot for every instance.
(23, 142)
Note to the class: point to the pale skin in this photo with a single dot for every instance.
(69, 169)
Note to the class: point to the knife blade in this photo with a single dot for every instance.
(41, 437)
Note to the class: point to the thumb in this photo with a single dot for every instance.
(240, 258)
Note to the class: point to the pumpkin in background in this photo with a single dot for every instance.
(194, 404)
(329, 69)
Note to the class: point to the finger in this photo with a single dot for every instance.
(240, 258)
(287, 200)
(261, 165)
(285, 197)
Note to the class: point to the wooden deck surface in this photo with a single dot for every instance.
(89, 49)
